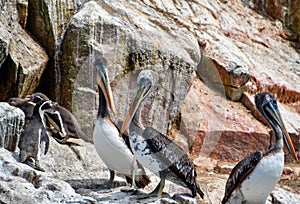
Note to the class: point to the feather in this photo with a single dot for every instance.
(240, 172)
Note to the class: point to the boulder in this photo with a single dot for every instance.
(33, 186)
(128, 49)
(219, 128)
(11, 125)
(47, 20)
(281, 196)
(23, 66)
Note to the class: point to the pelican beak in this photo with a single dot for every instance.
(103, 82)
(135, 102)
(275, 114)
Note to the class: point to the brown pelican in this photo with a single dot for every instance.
(110, 147)
(253, 178)
(153, 149)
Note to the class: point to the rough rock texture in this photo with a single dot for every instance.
(4, 43)
(78, 176)
(47, 21)
(288, 12)
(11, 123)
(127, 48)
(24, 61)
(213, 128)
(281, 196)
(22, 7)
(33, 186)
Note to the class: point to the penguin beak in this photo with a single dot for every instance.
(103, 82)
(275, 114)
(28, 98)
(135, 103)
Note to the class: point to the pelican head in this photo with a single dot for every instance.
(145, 83)
(101, 65)
(267, 106)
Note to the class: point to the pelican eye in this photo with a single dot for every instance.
(274, 103)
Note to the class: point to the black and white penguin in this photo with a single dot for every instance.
(34, 133)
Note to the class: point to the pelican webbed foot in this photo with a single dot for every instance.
(155, 194)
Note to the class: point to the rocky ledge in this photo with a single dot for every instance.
(74, 173)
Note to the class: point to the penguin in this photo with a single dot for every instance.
(24, 104)
(34, 133)
(69, 121)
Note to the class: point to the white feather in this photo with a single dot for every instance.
(111, 147)
(257, 187)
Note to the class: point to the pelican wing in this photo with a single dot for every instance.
(174, 157)
(140, 180)
(240, 172)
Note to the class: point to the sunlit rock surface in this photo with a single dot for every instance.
(96, 29)
(11, 125)
(281, 196)
(22, 59)
(47, 20)
(213, 126)
(32, 186)
(286, 11)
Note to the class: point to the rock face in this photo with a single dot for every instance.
(213, 128)
(11, 123)
(47, 21)
(22, 60)
(286, 11)
(127, 49)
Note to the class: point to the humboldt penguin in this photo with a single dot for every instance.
(69, 121)
(254, 177)
(112, 149)
(24, 104)
(34, 131)
(154, 150)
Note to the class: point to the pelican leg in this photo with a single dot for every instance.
(156, 193)
(111, 178)
(133, 169)
(159, 189)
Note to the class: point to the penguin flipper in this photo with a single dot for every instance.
(45, 138)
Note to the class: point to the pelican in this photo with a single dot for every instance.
(110, 147)
(153, 149)
(253, 178)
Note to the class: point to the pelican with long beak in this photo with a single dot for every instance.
(153, 149)
(253, 178)
(111, 148)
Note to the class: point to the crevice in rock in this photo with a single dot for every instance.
(283, 94)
